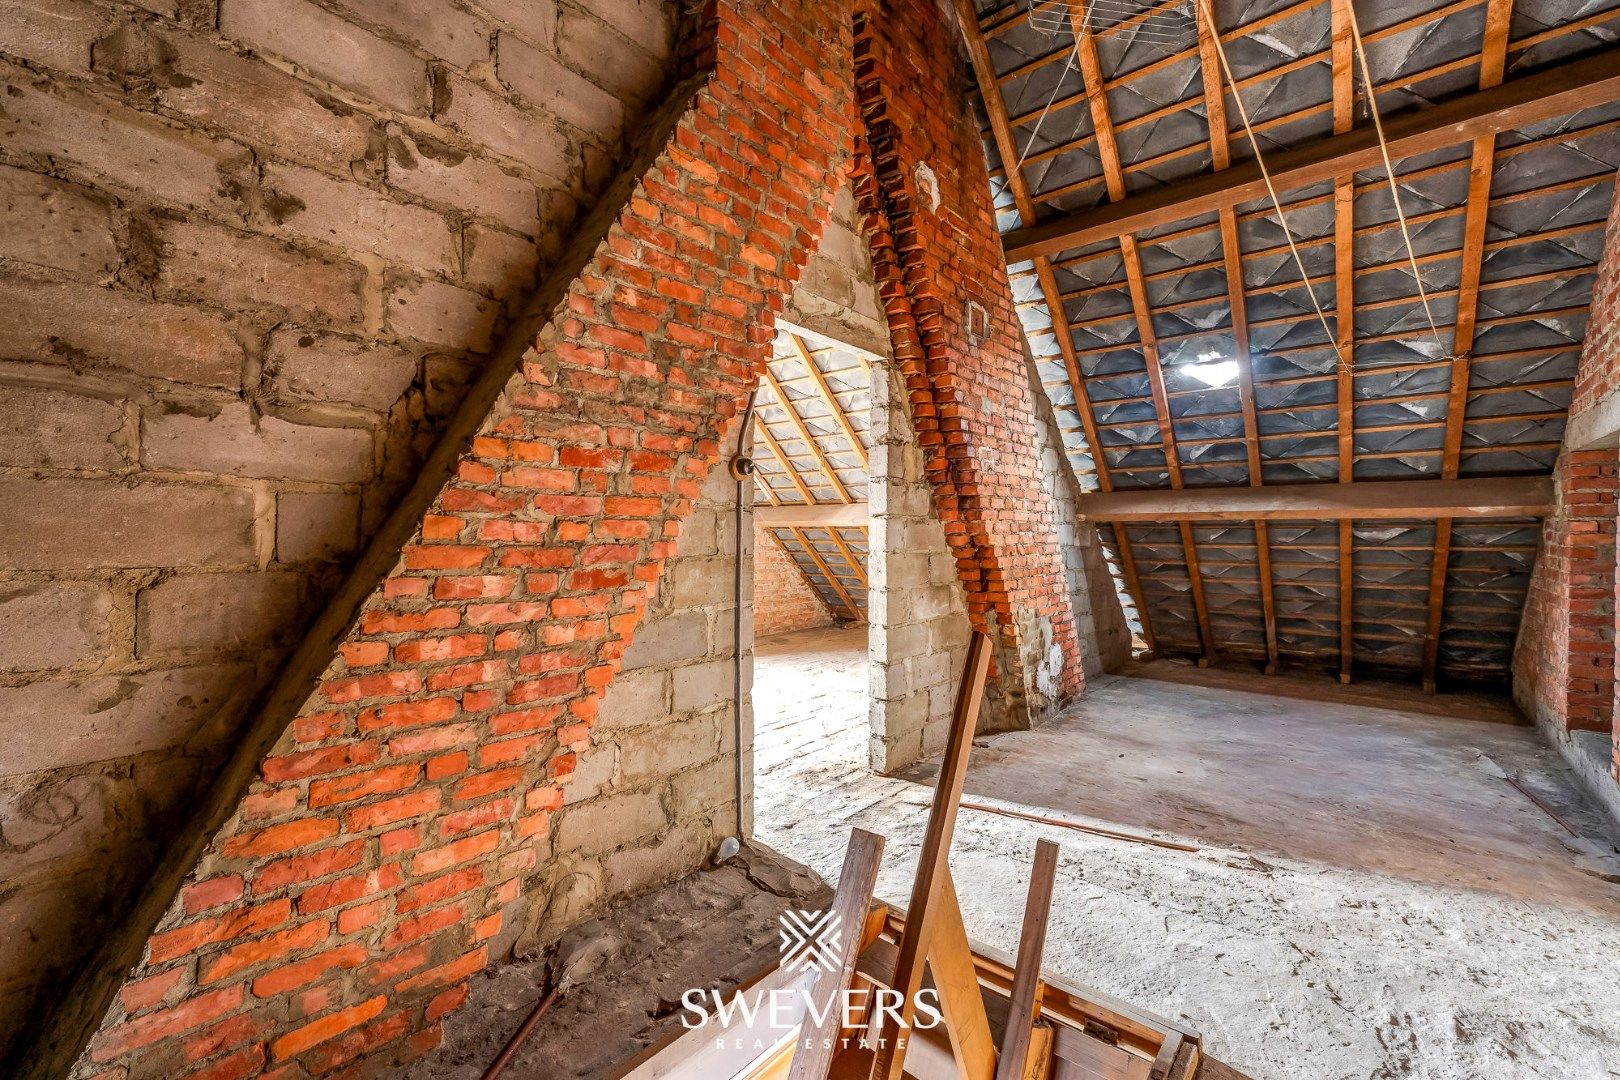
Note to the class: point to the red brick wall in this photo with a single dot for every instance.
(923, 185)
(340, 911)
(1564, 660)
(1563, 665)
(1599, 371)
(783, 600)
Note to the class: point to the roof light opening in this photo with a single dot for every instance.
(1213, 375)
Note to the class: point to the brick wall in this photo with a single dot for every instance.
(837, 297)
(923, 188)
(783, 599)
(250, 254)
(1564, 658)
(656, 791)
(1563, 663)
(386, 840)
(1599, 371)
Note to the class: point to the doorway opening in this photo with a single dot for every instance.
(812, 443)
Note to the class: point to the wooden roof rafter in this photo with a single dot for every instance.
(1493, 61)
(1236, 295)
(1405, 82)
(1530, 99)
(823, 462)
(826, 572)
(1387, 414)
(1108, 150)
(995, 107)
(828, 398)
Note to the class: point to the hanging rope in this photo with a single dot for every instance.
(1265, 173)
(1068, 66)
(1389, 171)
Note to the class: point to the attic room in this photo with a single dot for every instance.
(977, 539)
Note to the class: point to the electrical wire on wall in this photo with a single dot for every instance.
(742, 471)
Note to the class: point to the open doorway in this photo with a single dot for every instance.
(812, 443)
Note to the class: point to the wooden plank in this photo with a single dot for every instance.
(1557, 91)
(1515, 496)
(819, 516)
(933, 861)
(961, 1002)
(1038, 1061)
(826, 572)
(1195, 578)
(787, 466)
(851, 904)
(830, 399)
(1493, 59)
(823, 462)
(1020, 1035)
(1268, 598)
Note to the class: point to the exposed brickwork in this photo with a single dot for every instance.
(1599, 370)
(783, 600)
(1563, 669)
(923, 186)
(1564, 659)
(250, 254)
(388, 837)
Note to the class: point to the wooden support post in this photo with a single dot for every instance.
(818, 1041)
(1025, 1007)
(933, 864)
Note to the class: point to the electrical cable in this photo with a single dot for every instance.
(742, 467)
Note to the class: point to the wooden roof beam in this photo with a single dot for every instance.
(1108, 150)
(1519, 496)
(819, 516)
(827, 572)
(1558, 91)
(1237, 300)
(823, 462)
(829, 399)
(1493, 63)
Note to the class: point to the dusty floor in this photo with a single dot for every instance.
(623, 974)
(1371, 898)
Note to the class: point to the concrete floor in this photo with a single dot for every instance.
(1371, 899)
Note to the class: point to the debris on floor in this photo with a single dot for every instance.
(1367, 903)
(630, 968)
